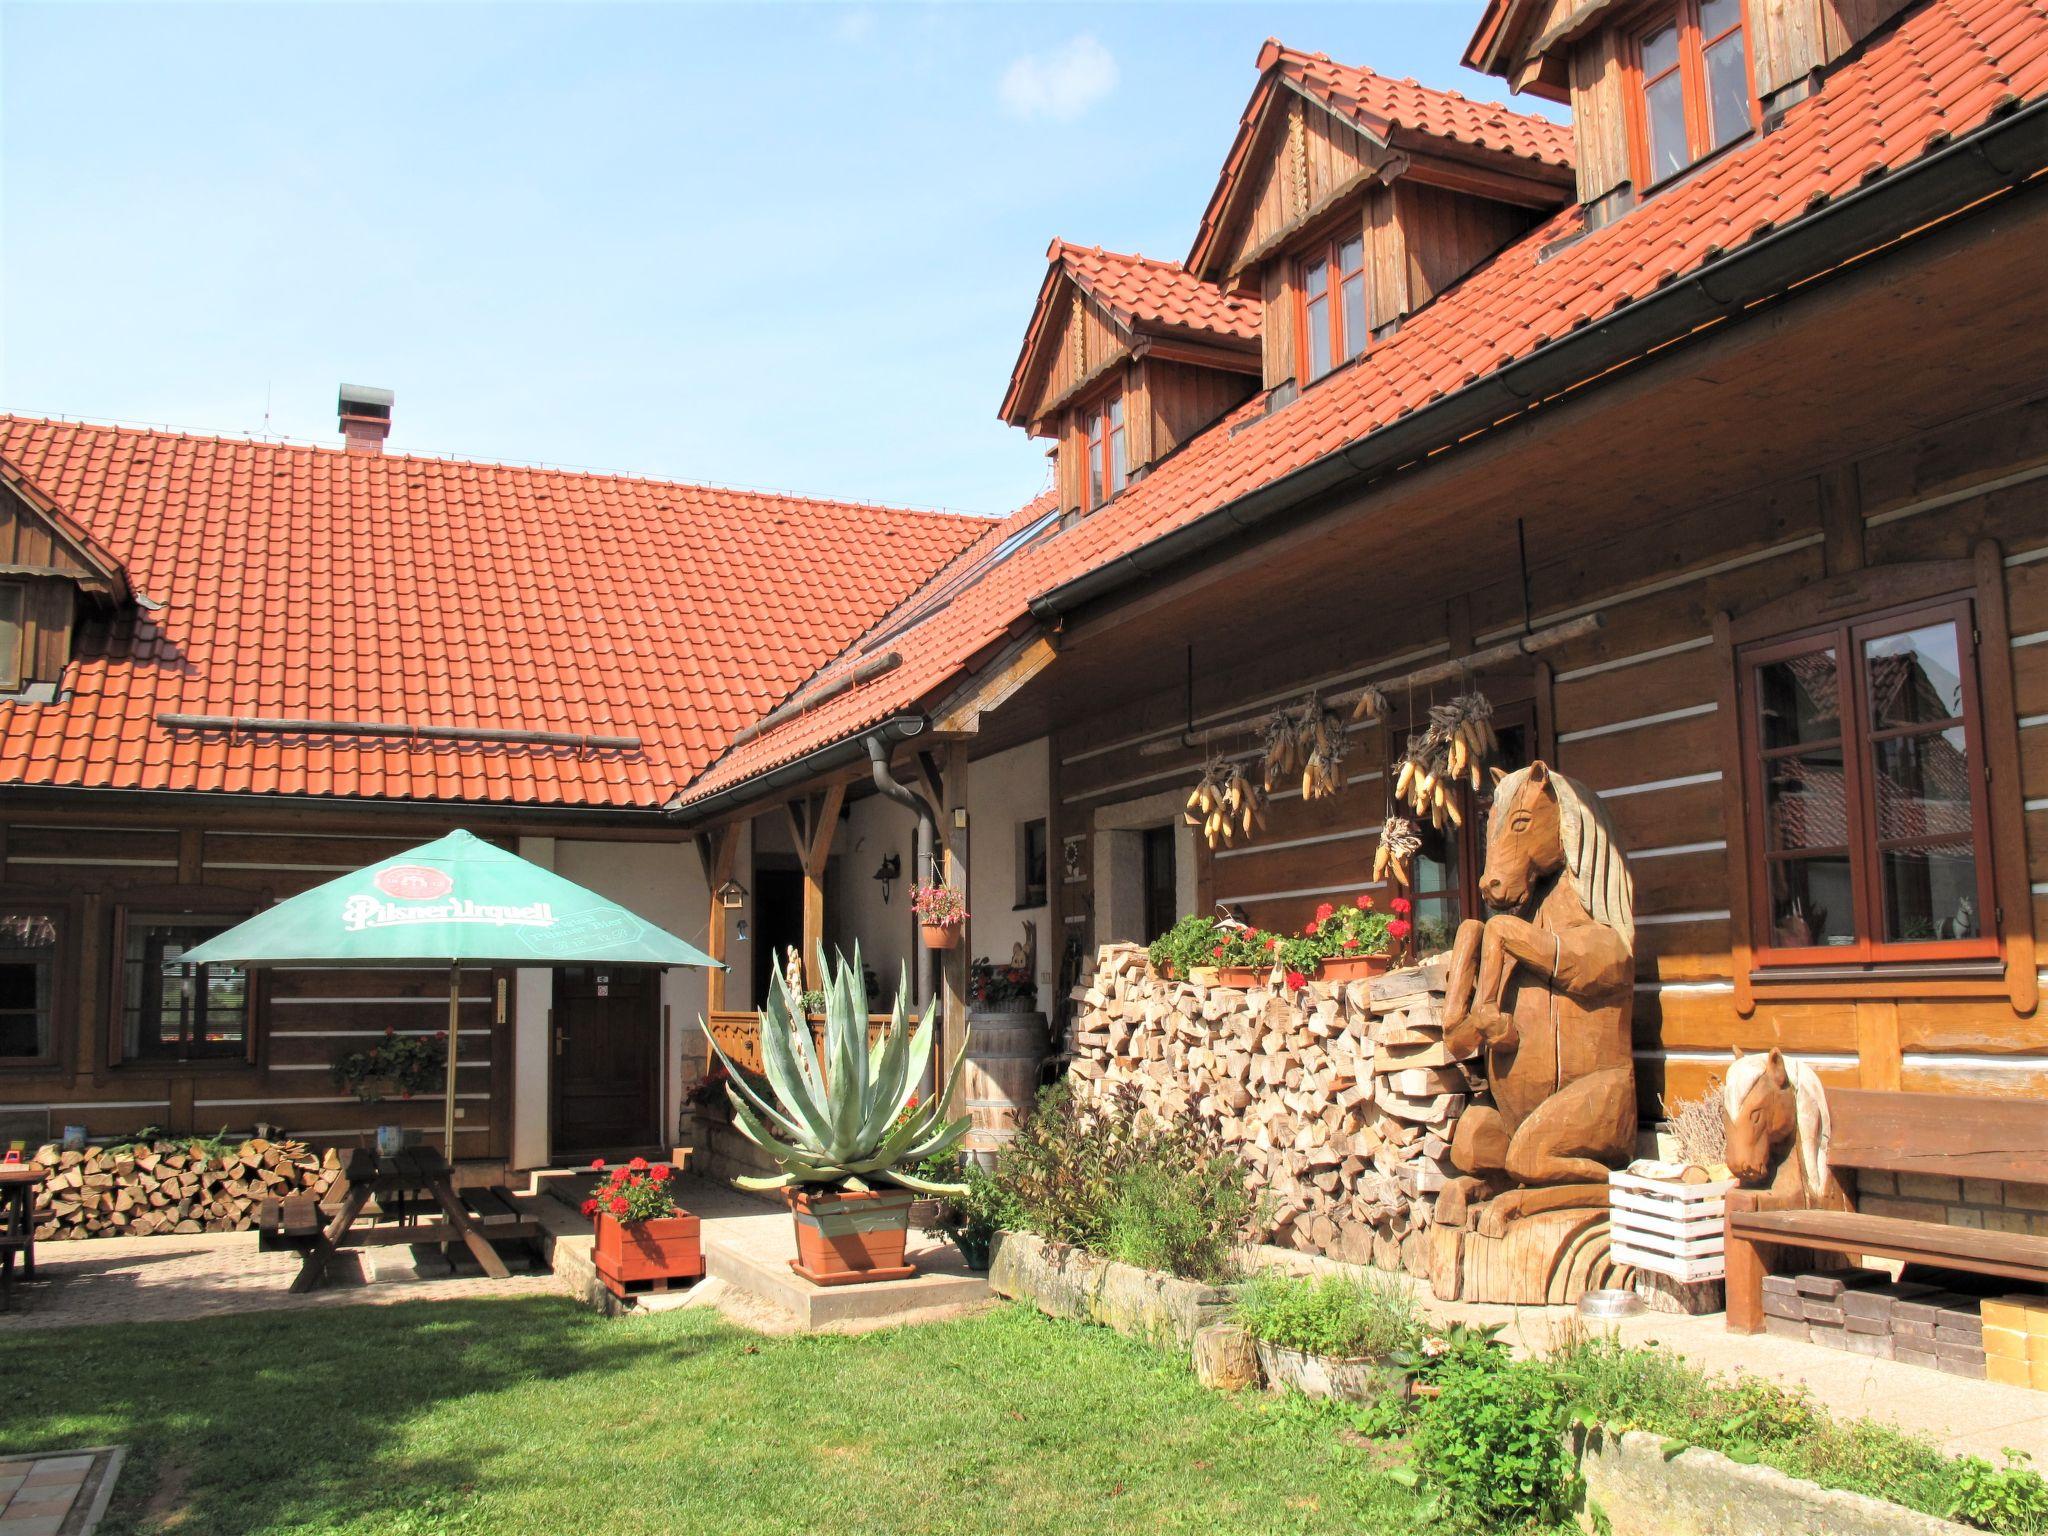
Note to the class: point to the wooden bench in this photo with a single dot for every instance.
(1951, 1135)
(298, 1224)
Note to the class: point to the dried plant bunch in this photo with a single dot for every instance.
(1700, 1127)
(1324, 743)
(1398, 844)
(1225, 804)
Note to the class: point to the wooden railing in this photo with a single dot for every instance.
(739, 1034)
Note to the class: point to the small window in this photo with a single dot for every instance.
(28, 970)
(11, 668)
(1869, 837)
(1692, 93)
(1334, 323)
(1108, 464)
(168, 1013)
(1031, 863)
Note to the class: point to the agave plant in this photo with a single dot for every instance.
(848, 1120)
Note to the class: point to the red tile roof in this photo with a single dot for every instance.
(1945, 70)
(1142, 294)
(1381, 105)
(312, 583)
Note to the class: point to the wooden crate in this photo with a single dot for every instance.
(1669, 1228)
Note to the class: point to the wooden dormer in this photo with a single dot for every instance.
(1391, 190)
(1715, 69)
(1125, 359)
(51, 571)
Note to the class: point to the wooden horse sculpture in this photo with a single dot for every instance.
(1778, 1135)
(1542, 990)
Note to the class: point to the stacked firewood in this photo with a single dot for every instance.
(1340, 1098)
(173, 1186)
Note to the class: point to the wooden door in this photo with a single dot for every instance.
(607, 1059)
(1162, 882)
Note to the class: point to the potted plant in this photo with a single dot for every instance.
(973, 1219)
(941, 912)
(1187, 950)
(397, 1065)
(1244, 957)
(847, 1128)
(642, 1234)
(993, 988)
(1358, 940)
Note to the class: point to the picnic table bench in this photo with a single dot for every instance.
(1957, 1136)
(394, 1193)
(18, 1183)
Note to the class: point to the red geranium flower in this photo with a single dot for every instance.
(1399, 928)
(597, 1163)
(1309, 932)
(1364, 902)
(1273, 941)
(638, 1165)
(1219, 949)
(1401, 904)
(661, 1172)
(1296, 981)
(1351, 943)
(1325, 912)
(590, 1208)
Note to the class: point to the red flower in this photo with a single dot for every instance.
(1272, 941)
(1325, 912)
(597, 1164)
(1296, 981)
(619, 1206)
(1402, 904)
(661, 1173)
(1399, 928)
(1309, 932)
(1219, 949)
(638, 1165)
(1351, 943)
(590, 1208)
(1364, 902)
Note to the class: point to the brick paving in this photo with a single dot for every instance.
(179, 1279)
(62, 1493)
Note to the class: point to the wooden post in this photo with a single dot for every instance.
(815, 852)
(717, 851)
(1744, 1280)
(953, 962)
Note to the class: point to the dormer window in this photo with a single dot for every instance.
(1692, 89)
(1108, 461)
(1332, 289)
(10, 636)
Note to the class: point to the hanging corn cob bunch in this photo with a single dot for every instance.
(1457, 744)
(1324, 743)
(1398, 842)
(1225, 804)
(1468, 723)
(1280, 750)
(1372, 704)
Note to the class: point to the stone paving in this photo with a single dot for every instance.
(62, 1493)
(179, 1279)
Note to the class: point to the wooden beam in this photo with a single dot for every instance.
(816, 852)
(1841, 519)
(724, 847)
(961, 714)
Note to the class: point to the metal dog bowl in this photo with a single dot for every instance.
(1609, 1306)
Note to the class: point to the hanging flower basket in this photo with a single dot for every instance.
(941, 914)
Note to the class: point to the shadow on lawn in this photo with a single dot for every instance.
(297, 1419)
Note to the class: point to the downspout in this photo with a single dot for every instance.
(927, 840)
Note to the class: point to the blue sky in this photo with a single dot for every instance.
(784, 246)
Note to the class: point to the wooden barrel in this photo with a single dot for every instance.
(1000, 1080)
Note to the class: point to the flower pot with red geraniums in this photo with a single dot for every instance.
(845, 1128)
(1244, 957)
(643, 1236)
(941, 914)
(1358, 939)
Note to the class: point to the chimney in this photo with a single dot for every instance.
(365, 417)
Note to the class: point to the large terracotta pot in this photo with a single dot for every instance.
(853, 1235)
(1355, 967)
(667, 1248)
(941, 935)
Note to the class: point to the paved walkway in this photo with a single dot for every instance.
(60, 1494)
(178, 1279)
(1964, 1417)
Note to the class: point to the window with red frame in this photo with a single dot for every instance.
(1692, 92)
(1334, 327)
(1108, 467)
(1868, 832)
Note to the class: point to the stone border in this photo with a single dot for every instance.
(1163, 1310)
(1644, 1490)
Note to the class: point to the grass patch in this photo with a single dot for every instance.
(538, 1416)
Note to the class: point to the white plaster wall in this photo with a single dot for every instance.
(1004, 791)
(1120, 864)
(875, 827)
(662, 882)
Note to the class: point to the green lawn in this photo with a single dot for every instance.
(538, 1416)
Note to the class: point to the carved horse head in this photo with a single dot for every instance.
(1775, 1107)
(1543, 822)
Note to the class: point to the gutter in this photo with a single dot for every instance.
(1994, 158)
(836, 754)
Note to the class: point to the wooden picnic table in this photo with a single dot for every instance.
(18, 1183)
(396, 1192)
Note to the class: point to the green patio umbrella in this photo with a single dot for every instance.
(456, 901)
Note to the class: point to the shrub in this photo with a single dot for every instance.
(1104, 1176)
(1490, 1448)
(2008, 1498)
(1333, 1315)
